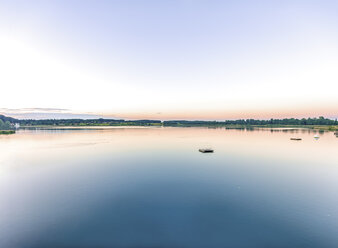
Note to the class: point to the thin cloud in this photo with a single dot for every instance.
(27, 110)
(51, 115)
(47, 113)
(46, 109)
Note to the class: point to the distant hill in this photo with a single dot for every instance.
(10, 119)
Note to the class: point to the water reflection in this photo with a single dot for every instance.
(152, 188)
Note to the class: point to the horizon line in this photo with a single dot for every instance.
(162, 120)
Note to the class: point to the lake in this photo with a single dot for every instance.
(151, 188)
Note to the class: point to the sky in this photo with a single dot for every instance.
(210, 60)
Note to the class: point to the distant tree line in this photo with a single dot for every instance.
(89, 122)
(250, 122)
(120, 122)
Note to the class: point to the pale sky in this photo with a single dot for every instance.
(169, 59)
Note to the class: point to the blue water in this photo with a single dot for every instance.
(152, 188)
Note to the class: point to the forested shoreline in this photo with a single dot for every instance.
(7, 123)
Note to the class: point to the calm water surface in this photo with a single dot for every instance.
(150, 187)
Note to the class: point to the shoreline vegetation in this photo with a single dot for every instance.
(321, 123)
(6, 127)
(7, 132)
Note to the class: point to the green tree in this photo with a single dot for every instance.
(5, 125)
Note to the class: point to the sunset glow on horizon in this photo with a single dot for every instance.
(205, 60)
